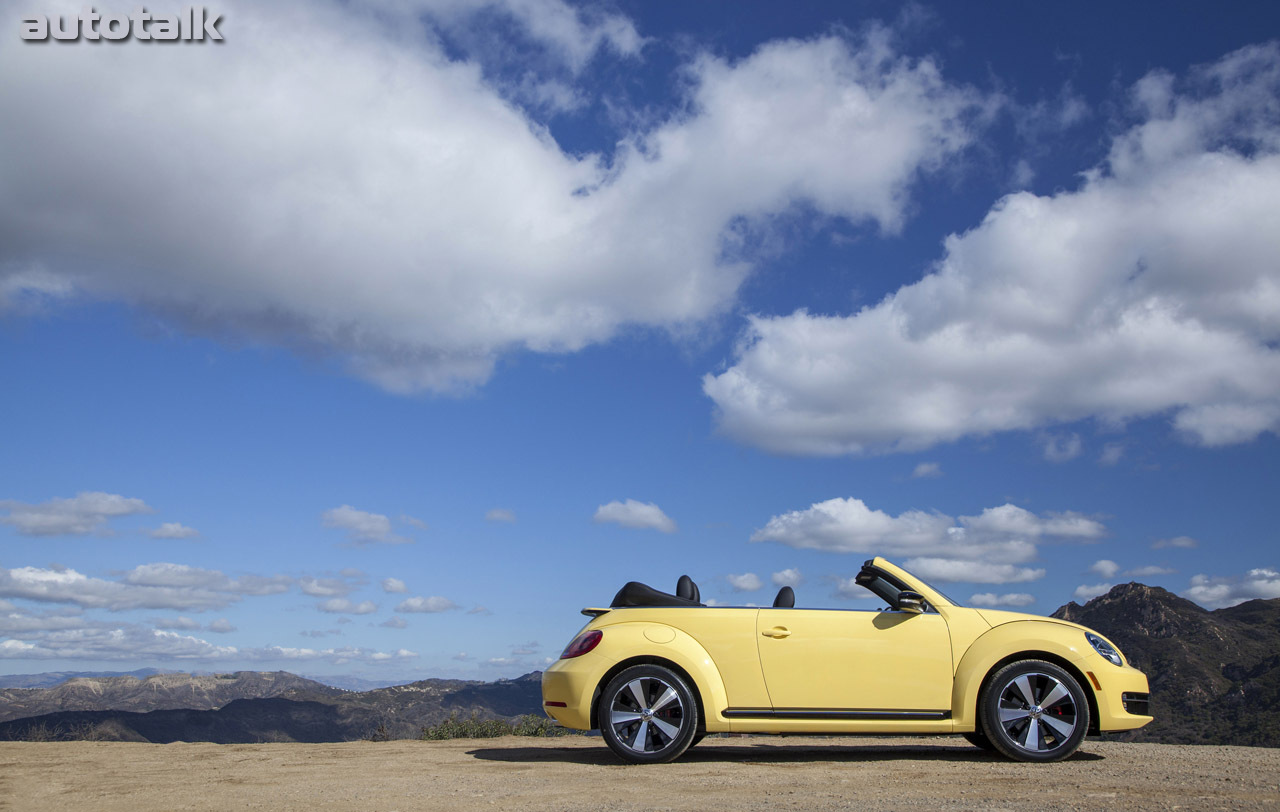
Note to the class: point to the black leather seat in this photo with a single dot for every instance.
(786, 598)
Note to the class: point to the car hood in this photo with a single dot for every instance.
(998, 618)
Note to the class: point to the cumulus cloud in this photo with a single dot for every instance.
(346, 606)
(789, 577)
(1215, 592)
(992, 600)
(1111, 454)
(746, 582)
(174, 530)
(324, 587)
(362, 527)
(221, 626)
(635, 514)
(1179, 542)
(1149, 571)
(86, 512)
(500, 515)
(394, 585)
(150, 586)
(395, 623)
(180, 622)
(406, 216)
(433, 603)
(972, 572)
(927, 470)
(987, 548)
(1087, 592)
(1152, 289)
(1106, 568)
(1061, 447)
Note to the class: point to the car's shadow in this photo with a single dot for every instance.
(760, 753)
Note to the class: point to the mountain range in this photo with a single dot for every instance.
(1215, 679)
(1215, 675)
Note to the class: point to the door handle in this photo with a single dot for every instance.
(777, 631)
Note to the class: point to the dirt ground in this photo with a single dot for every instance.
(759, 773)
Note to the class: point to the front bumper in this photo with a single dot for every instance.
(1111, 684)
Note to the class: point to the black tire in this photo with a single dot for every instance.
(1034, 711)
(697, 739)
(648, 715)
(979, 739)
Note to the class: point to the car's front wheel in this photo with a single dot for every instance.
(648, 714)
(1034, 711)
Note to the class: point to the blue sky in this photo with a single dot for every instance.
(382, 337)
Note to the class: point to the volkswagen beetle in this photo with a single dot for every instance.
(656, 672)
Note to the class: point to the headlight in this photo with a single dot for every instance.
(1104, 648)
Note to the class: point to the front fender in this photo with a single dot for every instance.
(1035, 639)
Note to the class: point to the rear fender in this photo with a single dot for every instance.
(631, 643)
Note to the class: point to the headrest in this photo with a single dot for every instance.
(685, 588)
(786, 598)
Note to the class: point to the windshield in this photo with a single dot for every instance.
(945, 596)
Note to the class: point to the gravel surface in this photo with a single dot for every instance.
(758, 773)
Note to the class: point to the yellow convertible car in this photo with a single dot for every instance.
(655, 672)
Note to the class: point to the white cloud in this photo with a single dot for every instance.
(1087, 592)
(395, 623)
(86, 512)
(1149, 571)
(174, 530)
(746, 582)
(927, 470)
(181, 575)
(1215, 592)
(413, 521)
(991, 599)
(979, 549)
(1179, 542)
(407, 218)
(362, 527)
(394, 585)
(434, 603)
(1106, 568)
(347, 607)
(635, 514)
(221, 626)
(150, 586)
(180, 622)
(789, 577)
(479, 610)
(972, 572)
(1152, 289)
(324, 587)
(500, 515)
(1111, 454)
(1061, 448)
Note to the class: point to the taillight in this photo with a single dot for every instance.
(582, 644)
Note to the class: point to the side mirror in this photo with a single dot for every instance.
(912, 602)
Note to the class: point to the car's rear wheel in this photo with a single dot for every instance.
(648, 714)
(1034, 711)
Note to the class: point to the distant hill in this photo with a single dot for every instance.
(48, 679)
(158, 692)
(1215, 676)
(350, 682)
(302, 710)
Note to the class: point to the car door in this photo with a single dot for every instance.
(887, 663)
